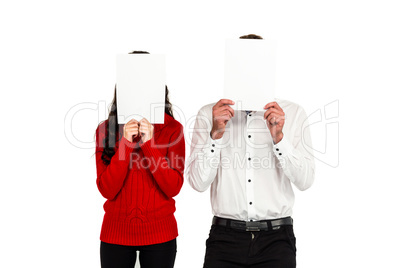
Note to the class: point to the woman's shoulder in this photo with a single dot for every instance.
(101, 130)
(170, 122)
(102, 126)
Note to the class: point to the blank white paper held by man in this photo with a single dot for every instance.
(250, 73)
(140, 85)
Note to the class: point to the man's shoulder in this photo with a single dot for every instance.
(289, 106)
(206, 109)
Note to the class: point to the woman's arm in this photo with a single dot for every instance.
(110, 178)
(167, 170)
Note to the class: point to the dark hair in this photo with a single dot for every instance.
(112, 127)
(251, 36)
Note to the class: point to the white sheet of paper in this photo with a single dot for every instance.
(140, 83)
(250, 73)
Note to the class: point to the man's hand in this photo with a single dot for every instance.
(221, 114)
(130, 130)
(275, 119)
(146, 130)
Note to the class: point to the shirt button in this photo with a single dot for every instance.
(213, 145)
(249, 114)
(251, 203)
(249, 180)
(249, 136)
(212, 151)
(277, 149)
(249, 158)
(280, 153)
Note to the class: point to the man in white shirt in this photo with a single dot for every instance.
(251, 159)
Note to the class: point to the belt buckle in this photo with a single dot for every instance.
(252, 226)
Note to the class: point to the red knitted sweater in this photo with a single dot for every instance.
(139, 185)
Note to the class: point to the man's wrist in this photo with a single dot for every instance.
(216, 135)
(278, 138)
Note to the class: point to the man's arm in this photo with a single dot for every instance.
(296, 162)
(204, 157)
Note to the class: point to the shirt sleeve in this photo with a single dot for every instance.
(204, 157)
(167, 170)
(296, 161)
(110, 178)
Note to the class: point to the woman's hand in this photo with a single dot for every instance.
(146, 130)
(131, 130)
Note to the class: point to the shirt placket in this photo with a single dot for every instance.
(250, 154)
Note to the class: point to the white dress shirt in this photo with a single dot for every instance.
(250, 177)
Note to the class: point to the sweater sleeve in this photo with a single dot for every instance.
(110, 178)
(167, 170)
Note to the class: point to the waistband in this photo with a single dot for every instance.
(253, 226)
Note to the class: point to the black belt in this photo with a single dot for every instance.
(252, 225)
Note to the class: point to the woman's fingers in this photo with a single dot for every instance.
(130, 130)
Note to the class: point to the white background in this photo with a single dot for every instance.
(58, 54)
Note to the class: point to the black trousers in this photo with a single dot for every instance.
(152, 256)
(231, 248)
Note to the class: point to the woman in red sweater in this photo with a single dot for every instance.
(139, 171)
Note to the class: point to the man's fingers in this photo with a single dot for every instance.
(227, 115)
(224, 109)
(274, 118)
(230, 109)
(273, 110)
(273, 104)
(224, 117)
(223, 102)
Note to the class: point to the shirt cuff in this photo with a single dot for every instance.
(212, 147)
(283, 148)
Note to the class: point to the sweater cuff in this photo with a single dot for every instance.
(125, 149)
(148, 150)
